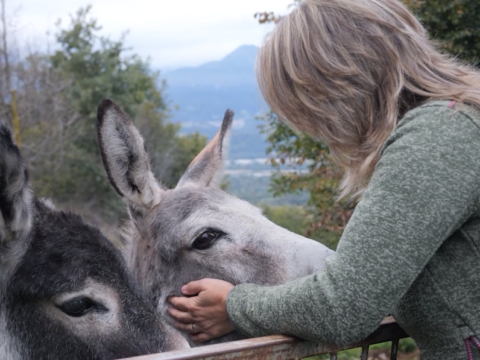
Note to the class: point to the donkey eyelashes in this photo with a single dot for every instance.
(80, 306)
(206, 239)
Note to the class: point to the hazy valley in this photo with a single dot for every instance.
(199, 97)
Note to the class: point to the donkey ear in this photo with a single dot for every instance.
(124, 156)
(207, 167)
(15, 194)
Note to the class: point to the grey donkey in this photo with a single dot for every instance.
(65, 290)
(196, 230)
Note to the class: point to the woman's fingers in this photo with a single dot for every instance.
(180, 316)
(191, 328)
(194, 287)
(200, 337)
(181, 303)
(207, 310)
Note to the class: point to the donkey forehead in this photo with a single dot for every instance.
(184, 209)
(64, 252)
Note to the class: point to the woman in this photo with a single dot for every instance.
(404, 122)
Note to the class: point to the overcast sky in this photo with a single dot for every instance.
(172, 33)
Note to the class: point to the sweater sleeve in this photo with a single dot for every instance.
(425, 186)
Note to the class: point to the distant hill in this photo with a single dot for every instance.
(235, 69)
(203, 93)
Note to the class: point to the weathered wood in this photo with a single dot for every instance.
(276, 347)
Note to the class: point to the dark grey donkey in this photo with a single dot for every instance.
(195, 230)
(65, 292)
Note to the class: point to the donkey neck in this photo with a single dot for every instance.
(8, 349)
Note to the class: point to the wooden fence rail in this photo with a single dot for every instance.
(280, 347)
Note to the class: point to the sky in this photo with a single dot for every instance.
(171, 33)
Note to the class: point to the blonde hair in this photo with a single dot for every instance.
(345, 71)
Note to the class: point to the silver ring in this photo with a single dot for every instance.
(193, 327)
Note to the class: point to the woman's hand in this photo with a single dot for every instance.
(203, 316)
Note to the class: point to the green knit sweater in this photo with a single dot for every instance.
(411, 249)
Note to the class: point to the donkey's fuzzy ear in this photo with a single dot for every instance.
(207, 167)
(15, 194)
(124, 156)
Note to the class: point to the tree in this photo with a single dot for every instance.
(311, 169)
(7, 80)
(97, 67)
(58, 95)
(454, 24)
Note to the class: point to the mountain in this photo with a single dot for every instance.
(200, 95)
(235, 69)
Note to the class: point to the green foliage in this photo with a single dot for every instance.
(256, 190)
(454, 23)
(289, 217)
(87, 68)
(297, 219)
(407, 350)
(266, 17)
(311, 169)
(96, 68)
(188, 146)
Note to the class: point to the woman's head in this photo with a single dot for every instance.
(344, 71)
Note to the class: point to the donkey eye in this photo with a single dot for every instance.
(205, 240)
(77, 307)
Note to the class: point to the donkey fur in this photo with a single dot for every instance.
(47, 256)
(161, 234)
